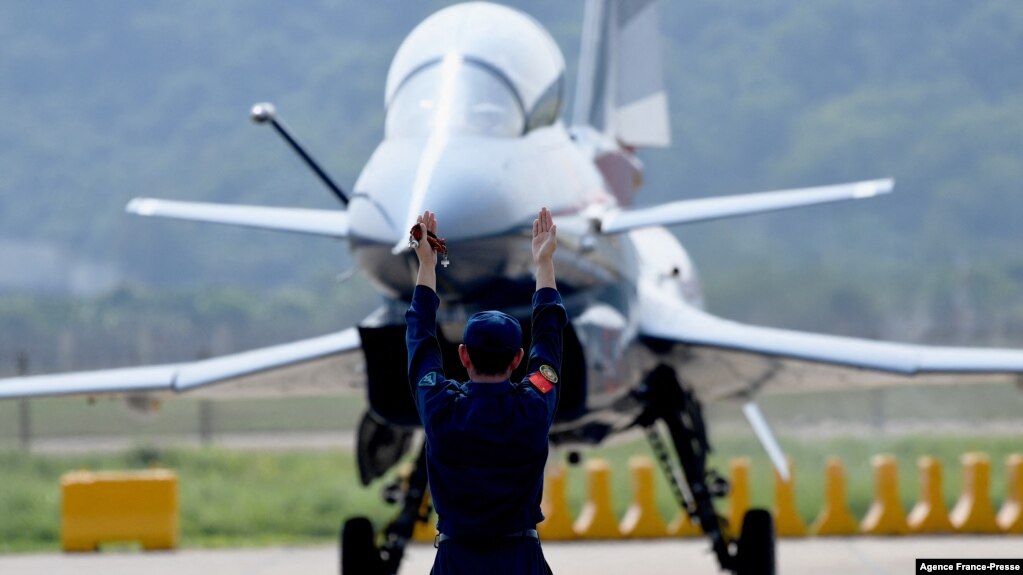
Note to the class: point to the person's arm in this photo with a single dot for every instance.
(549, 315)
(547, 326)
(424, 355)
(545, 352)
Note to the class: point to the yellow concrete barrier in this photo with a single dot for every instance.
(425, 531)
(929, 515)
(682, 526)
(886, 515)
(973, 513)
(597, 520)
(787, 521)
(835, 518)
(557, 523)
(642, 519)
(1010, 516)
(738, 497)
(108, 507)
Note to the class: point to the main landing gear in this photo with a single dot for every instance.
(360, 554)
(665, 399)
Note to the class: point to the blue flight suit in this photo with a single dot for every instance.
(486, 444)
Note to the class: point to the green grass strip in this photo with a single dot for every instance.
(243, 498)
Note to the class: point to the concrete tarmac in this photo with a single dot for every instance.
(837, 556)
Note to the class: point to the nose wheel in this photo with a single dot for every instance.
(755, 553)
(360, 554)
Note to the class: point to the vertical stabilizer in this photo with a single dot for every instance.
(620, 88)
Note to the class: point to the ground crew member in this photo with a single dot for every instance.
(487, 439)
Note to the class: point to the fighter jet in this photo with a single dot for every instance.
(474, 132)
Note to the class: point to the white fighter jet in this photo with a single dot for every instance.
(474, 132)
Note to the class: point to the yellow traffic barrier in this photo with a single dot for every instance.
(886, 515)
(835, 518)
(973, 513)
(641, 519)
(422, 531)
(109, 507)
(557, 523)
(682, 526)
(425, 531)
(597, 520)
(929, 515)
(738, 497)
(1010, 516)
(787, 521)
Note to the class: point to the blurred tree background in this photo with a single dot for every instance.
(106, 101)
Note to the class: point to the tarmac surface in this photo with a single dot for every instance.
(859, 555)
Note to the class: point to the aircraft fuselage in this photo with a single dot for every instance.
(486, 192)
(472, 134)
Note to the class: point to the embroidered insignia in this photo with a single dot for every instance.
(428, 380)
(541, 383)
(548, 372)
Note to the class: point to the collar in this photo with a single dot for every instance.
(498, 388)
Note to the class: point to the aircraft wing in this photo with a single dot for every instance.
(332, 223)
(313, 366)
(727, 359)
(705, 209)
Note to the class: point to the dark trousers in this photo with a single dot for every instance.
(506, 556)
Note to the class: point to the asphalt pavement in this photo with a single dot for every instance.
(837, 556)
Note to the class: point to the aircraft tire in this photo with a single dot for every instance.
(756, 544)
(359, 553)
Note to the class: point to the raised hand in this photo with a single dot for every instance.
(427, 223)
(545, 241)
(545, 237)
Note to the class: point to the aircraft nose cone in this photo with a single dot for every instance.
(463, 182)
(469, 198)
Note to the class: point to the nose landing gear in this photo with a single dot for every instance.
(695, 487)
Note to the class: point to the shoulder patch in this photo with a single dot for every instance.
(540, 382)
(549, 373)
(428, 380)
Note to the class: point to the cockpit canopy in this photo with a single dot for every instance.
(475, 68)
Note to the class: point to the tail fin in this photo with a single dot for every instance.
(620, 88)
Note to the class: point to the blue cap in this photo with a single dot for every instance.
(493, 331)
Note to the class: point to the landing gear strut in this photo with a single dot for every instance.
(359, 552)
(667, 400)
